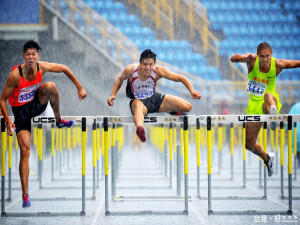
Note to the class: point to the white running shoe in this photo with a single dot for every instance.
(269, 164)
(273, 111)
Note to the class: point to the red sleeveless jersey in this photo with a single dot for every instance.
(26, 90)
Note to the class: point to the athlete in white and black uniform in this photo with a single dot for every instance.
(142, 79)
(144, 91)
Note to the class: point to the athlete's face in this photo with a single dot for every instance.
(147, 66)
(265, 56)
(31, 56)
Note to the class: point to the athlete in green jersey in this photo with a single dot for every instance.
(262, 72)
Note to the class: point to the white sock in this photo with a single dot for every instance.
(273, 109)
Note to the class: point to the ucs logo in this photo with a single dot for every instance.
(150, 119)
(43, 120)
(249, 118)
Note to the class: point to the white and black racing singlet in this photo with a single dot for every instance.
(141, 89)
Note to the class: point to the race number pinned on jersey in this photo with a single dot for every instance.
(256, 88)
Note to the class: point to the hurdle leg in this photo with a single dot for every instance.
(290, 164)
(186, 157)
(198, 155)
(3, 140)
(244, 154)
(171, 153)
(209, 164)
(105, 126)
(282, 160)
(265, 149)
(9, 166)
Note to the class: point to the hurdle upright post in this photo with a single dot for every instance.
(94, 159)
(198, 155)
(282, 159)
(265, 149)
(179, 161)
(260, 139)
(113, 162)
(244, 154)
(231, 148)
(40, 152)
(52, 151)
(186, 162)
(9, 166)
(276, 149)
(171, 152)
(105, 127)
(295, 150)
(209, 164)
(82, 213)
(98, 153)
(3, 140)
(290, 163)
(220, 146)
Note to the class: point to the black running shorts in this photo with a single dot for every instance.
(152, 103)
(24, 113)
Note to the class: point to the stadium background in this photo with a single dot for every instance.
(196, 38)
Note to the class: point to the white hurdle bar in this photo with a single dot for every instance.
(83, 121)
(251, 118)
(160, 119)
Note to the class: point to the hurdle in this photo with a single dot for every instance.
(231, 172)
(79, 120)
(260, 118)
(60, 143)
(69, 187)
(163, 144)
(159, 119)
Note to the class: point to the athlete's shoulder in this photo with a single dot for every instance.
(160, 69)
(128, 70)
(43, 65)
(14, 77)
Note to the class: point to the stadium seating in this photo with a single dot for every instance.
(246, 23)
(178, 52)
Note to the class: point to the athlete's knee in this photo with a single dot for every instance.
(268, 96)
(137, 106)
(47, 88)
(250, 145)
(188, 107)
(50, 85)
(24, 152)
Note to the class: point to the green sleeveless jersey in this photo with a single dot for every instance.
(259, 84)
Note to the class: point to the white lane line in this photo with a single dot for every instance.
(274, 200)
(200, 218)
(97, 214)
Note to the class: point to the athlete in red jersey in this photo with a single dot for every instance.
(142, 78)
(29, 98)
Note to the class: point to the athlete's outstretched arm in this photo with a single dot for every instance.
(249, 57)
(125, 74)
(60, 68)
(11, 83)
(288, 64)
(164, 72)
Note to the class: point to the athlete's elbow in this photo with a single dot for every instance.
(233, 59)
(188, 107)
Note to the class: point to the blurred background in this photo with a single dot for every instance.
(98, 38)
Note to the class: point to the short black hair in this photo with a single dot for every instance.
(148, 54)
(31, 44)
(263, 45)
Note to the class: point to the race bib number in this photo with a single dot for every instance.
(26, 97)
(144, 95)
(256, 88)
